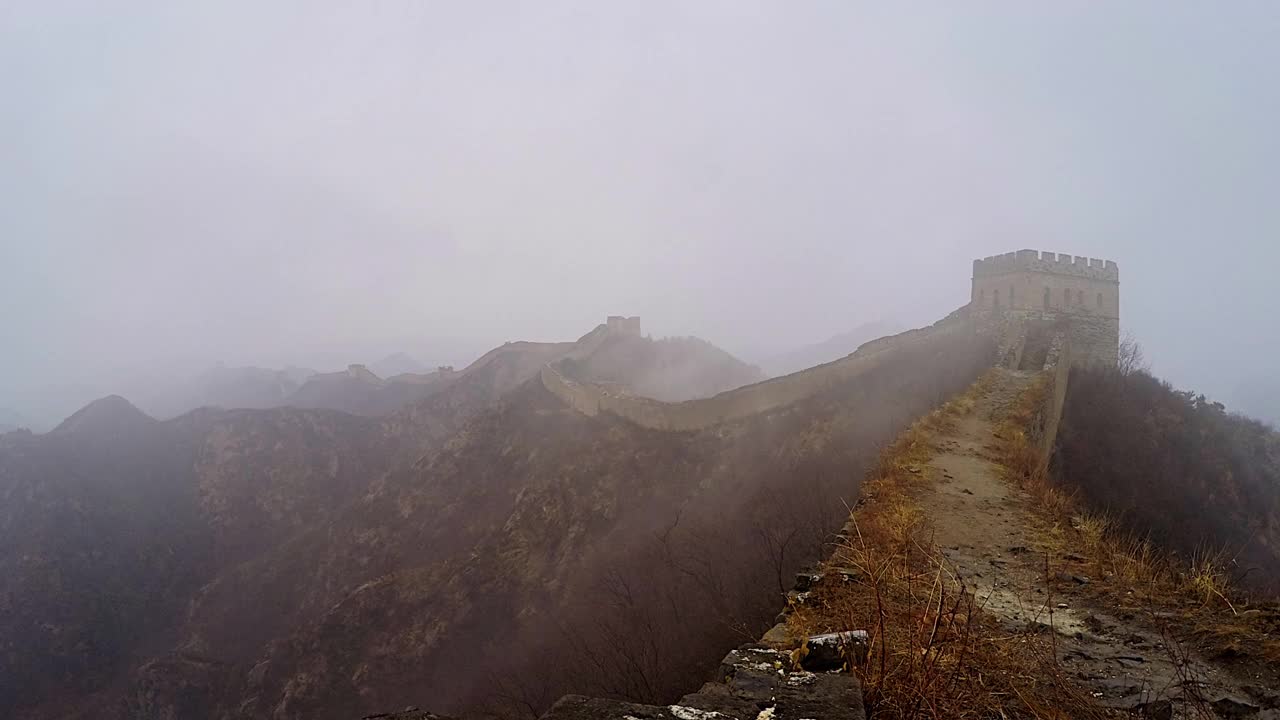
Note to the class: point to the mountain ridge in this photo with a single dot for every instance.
(220, 487)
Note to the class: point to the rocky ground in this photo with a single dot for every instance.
(1013, 560)
(754, 682)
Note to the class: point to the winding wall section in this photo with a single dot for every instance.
(735, 404)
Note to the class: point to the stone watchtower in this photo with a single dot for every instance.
(1027, 298)
(623, 325)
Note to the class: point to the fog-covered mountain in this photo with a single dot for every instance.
(314, 563)
(830, 349)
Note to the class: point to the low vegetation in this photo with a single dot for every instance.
(1176, 504)
(1176, 468)
(1148, 485)
(934, 652)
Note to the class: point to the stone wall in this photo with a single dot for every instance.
(1094, 340)
(1047, 298)
(735, 404)
(1058, 367)
(1055, 374)
(1041, 291)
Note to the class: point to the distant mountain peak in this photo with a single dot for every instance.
(833, 348)
(398, 363)
(105, 416)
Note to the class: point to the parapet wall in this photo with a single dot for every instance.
(1047, 262)
(735, 404)
(1056, 398)
(1056, 373)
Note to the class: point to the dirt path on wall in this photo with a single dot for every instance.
(986, 528)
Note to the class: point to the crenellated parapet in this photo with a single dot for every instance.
(1047, 262)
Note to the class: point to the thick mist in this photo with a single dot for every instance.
(314, 184)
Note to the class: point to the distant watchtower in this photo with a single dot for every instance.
(623, 325)
(1020, 296)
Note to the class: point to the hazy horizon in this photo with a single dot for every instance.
(316, 184)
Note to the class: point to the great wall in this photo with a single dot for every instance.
(773, 678)
(785, 675)
(983, 528)
(591, 399)
(789, 675)
(1076, 322)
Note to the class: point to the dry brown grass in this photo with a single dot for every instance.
(1022, 450)
(1114, 554)
(933, 652)
(1253, 633)
(1117, 555)
(1130, 570)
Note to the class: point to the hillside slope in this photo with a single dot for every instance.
(1175, 466)
(100, 543)
(510, 556)
(112, 524)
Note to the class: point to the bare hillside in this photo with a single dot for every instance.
(1176, 466)
(312, 563)
(514, 541)
(262, 522)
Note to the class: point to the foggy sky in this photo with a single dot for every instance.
(312, 183)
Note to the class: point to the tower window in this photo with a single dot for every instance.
(1099, 301)
(1046, 298)
(996, 299)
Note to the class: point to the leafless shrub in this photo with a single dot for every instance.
(1131, 358)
